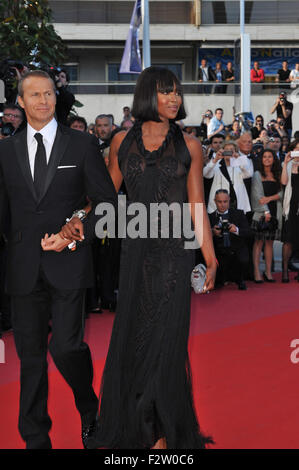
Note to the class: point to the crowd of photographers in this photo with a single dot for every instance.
(251, 185)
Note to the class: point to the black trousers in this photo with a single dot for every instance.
(233, 264)
(30, 319)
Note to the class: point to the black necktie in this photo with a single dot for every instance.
(40, 166)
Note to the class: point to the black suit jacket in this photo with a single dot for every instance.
(211, 74)
(238, 218)
(66, 190)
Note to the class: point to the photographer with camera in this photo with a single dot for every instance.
(230, 232)
(205, 121)
(64, 98)
(12, 119)
(284, 110)
(227, 175)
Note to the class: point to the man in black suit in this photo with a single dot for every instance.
(230, 230)
(46, 173)
(205, 74)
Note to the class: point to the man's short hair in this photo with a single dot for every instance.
(218, 109)
(73, 119)
(33, 73)
(216, 136)
(221, 191)
(105, 116)
(12, 106)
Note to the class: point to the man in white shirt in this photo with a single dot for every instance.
(216, 125)
(46, 173)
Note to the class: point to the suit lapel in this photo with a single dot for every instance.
(20, 143)
(60, 144)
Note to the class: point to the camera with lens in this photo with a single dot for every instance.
(53, 72)
(7, 69)
(223, 225)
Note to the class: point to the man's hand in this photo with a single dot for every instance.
(232, 228)
(73, 230)
(54, 242)
(216, 231)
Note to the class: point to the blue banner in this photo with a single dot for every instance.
(131, 60)
(270, 58)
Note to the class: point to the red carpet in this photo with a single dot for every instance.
(245, 385)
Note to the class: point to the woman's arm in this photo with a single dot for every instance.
(196, 196)
(284, 174)
(113, 166)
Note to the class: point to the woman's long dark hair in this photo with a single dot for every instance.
(150, 81)
(276, 166)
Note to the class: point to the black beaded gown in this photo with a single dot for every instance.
(146, 390)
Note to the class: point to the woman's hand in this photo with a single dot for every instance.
(267, 217)
(264, 200)
(218, 155)
(287, 158)
(56, 242)
(210, 277)
(73, 230)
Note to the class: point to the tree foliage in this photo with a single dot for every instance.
(26, 33)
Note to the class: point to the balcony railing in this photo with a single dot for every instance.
(117, 88)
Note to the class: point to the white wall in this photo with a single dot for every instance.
(195, 106)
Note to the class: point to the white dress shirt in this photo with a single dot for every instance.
(237, 174)
(49, 133)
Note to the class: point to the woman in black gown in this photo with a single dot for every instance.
(146, 391)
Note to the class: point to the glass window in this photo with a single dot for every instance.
(256, 12)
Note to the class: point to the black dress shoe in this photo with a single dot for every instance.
(267, 279)
(242, 285)
(89, 432)
(258, 281)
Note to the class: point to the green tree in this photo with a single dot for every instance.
(26, 33)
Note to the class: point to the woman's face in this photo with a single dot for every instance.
(263, 134)
(268, 159)
(168, 104)
(235, 126)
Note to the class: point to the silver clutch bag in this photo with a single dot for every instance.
(198, 278)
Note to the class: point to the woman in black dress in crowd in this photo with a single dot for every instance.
(146, 392)
(266, 198)
(290, 232)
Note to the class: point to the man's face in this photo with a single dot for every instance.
(78, 125)
(14, 116)
(222, 202)
(203, 63)
(275, 144)
(126, 112)
(284, 65)
(229, 65)
(103, 128)
(38, 101)
(216, 144)
(219, 114)
(256, 65)
(245, 144)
